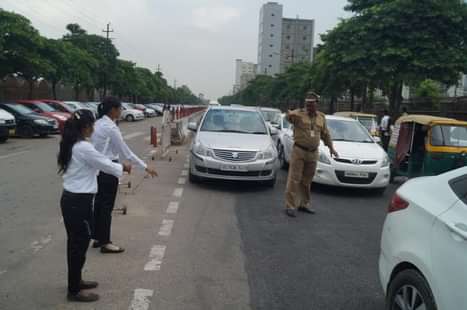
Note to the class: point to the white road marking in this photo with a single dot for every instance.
(178, 192)
(133, 135)
(184, 173)
(38, 245)
(187, 165)
(173, 207)
(147, 139)
(181, 181)
(166, 228)
(13, 154)
(2, 272)
(141, 299)
(156, 256)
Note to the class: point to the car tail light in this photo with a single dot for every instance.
(397, 204)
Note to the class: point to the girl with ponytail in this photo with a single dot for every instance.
(79, 164)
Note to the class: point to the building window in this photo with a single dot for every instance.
(270, 55)
(304, 38)
(287, 47)
(288, 37)
(288, 27)
(273, 15)
(272, 25)
(270, 66)
(271, 45)
(272, 35)
(305, 27)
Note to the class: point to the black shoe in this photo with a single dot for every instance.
(96, 244)
(83, 297)
(290, 212)
(306, 210)
(111, 249)
(87, 285)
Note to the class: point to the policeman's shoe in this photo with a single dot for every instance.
(308, 210)
(87, 285)
(96, 244)
(111, 249)
(291, 212)
(83, 297)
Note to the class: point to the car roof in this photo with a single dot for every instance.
(233, 108)
(29, 101)
(351, 114)
(270, 109)
(340, 118)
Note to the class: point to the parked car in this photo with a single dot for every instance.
(284, 141)
(76, 105)
(28, 122)
(130, 114)
(233, 143)
(46, 110)
(158, 107)
(422, 264)
(59, 105)
(7, 125)
(362, 162)
(369, 121)
(148, 112)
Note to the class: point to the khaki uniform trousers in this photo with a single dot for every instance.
(301, 172)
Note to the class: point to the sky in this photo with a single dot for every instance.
(195, 42)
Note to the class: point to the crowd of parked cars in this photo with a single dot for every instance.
(424, 238)
(30, 118)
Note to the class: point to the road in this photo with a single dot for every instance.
(215, 245)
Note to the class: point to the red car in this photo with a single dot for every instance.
(58, 105)
(46, 110)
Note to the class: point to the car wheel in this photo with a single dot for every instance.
(270, 183)
(43, 135)
(409, 290)
(193, 178)
(3, 139)
(130, 118)
(27, 132)
(281, 155)
(393, 175)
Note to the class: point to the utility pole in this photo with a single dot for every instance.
(175, 84)
(107, 32)
(159, 68)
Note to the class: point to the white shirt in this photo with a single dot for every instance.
(108, 140)
(85, 164)
(385, 123)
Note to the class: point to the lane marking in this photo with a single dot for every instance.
(178, 192)
(184, 173)
(147, 139)
(133, 135)
(173, 207)
(2, 272)
(166, 228)
(181, 181)
(141, 299)
(13, 154)
(186, 166)
(40, 244)
(156, 255)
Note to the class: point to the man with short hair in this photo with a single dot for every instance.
(309, 129)
(385, 129)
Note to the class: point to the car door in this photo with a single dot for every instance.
(449, 251)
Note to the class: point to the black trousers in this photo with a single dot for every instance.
(385, 141)
(103, 207)
(77, 215)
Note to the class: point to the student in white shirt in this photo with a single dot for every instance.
(108, 140)
(79, 163)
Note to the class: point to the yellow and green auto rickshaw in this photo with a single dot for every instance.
(369, 121)
(423, 145)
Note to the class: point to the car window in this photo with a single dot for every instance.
(20, 108)
(285, 123)
(234, 121)
(368, 122)
(351, 131)
(449, 136)
(272, 116)
(45, 107)
(459, 187)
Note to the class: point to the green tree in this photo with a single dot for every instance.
(428, 89)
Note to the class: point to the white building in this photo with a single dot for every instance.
(244, 73)
(282, 41)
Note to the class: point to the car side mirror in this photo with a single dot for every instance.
(192, 126)
(274, 131)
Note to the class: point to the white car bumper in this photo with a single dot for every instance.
(208, 167)
(349, 175)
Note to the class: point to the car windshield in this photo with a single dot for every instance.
(350, 131)
(20, 108)
(445, 135)
(285, 123)
(368, 122)
(272, 116)
(238, 121)
(45, 107)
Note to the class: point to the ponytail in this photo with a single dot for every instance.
(107, 105)
(72, 133)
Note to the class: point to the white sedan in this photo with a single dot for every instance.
(361, 163)
(422, 264)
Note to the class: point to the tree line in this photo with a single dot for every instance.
(384, 45)
(85, 61)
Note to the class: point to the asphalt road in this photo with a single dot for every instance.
(217, 245)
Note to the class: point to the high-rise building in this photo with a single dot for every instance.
(282, 41)
(244, 73)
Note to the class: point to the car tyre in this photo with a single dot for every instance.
(283, 163)
(3, 139)
(27, 132)
(193, 178)
(413, 283)
(130, 118)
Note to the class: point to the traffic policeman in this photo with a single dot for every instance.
(309, 128)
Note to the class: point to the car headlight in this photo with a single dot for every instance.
(385, 162)
(201, 150)
(323, 158)
(40, 122)
(2, 121)
(269, 153)
(60, 117)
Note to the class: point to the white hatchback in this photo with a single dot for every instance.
(423, 260)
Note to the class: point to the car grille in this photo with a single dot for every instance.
(234, 173)
(350, 161)
(348, 180)
(52, 122)
(10, 122)
(235, 156)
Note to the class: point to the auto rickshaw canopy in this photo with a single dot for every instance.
(428, 120)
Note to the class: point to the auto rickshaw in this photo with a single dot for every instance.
(423, 145)
(369, 121)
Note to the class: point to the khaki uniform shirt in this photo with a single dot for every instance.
(308, 131)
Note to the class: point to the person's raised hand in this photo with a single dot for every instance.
(152, 172)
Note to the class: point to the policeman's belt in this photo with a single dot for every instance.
(307, 149)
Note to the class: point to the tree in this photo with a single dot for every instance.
(428, 89)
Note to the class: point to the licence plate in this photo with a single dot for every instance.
(355, 174)
(233, 168)
(11, 132)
